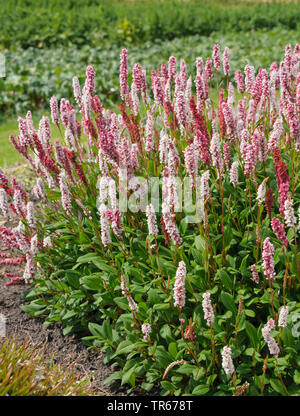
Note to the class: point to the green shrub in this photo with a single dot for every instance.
(145, 286)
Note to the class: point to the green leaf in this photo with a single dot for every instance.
(187, 369)
(167, 385)
(296, 377)
(127, 346)
(96, 330)
(102, 265)
(252, 334)
(225, 279)
(201, 390)
(122, 303)
(107, 329)
(153, 297)
(115, 376)
(86, 258)
(227, 236)
(200, 243)
(277, 386)
(243, 267)
(129, 377)
(92, 282)
(73, 278)
(166, 333)
(228, 301)
(287, 337)
(173, 349)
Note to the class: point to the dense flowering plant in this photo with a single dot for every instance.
(167, 234)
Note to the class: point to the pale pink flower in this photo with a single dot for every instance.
(30, 214)
(289, 216)
(268, 259)
(179, 288)
(199, 66)
(170, 225)
(172, 67)
(204, 185)
(227, 363)
(138, 77)
(132, 305)
(255, 276)
(233, 174)
(208, 68)
(146, 330)
(216, 57)
(76, 90)
(34, 245)
(239, 79)
(65, 195)
(208, 309)
(29, 272)
(275, 134)
(180, 110)
(283, 316)
(115, 219)
(18, 203)
(4, 205)
(163, 146)
(105, 235)
(226, 63)
(54, 110)
(151, 220)
(191, 160)
(21, 241)
(47, 242)
(279, 231)
(249, 159)
(272, 345)
(215, 151)
(149, 147)
(134, 99)
(124, 76)
(90, 80)
(261, 192)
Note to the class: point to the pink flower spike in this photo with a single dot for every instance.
(54, 110)
(268, 260)
(179, 288)
(216, 57)
(227, 363)
(279, 231)
(208, 309)
(255, 276)
(226, 63)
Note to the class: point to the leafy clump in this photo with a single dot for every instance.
(24, 371)
(168, 234)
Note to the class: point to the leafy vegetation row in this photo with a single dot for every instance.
(25, 23)
(32, 75)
